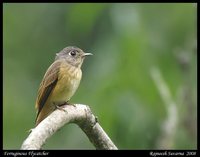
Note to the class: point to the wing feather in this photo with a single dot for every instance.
(47, 85)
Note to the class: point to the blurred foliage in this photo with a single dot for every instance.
(127, 40)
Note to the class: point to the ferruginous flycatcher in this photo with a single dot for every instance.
(60, 81)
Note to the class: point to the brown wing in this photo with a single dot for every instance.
(47, 85)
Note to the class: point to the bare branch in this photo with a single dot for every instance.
(166, 139)
(79, 114)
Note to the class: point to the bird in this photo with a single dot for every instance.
(60, 81)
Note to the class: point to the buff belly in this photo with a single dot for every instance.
(68, 82)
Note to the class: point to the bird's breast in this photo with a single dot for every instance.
(68, 81)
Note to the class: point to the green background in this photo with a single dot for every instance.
(138, 49)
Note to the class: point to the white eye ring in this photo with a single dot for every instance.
(72, 53)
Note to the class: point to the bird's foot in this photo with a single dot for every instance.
(68, 103)
(73, 105)
(59, 107)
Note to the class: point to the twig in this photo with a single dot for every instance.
(79, 114)
(169, 127)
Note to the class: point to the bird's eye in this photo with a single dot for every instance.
(72, 53)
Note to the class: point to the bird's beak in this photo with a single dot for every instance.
(87, 54)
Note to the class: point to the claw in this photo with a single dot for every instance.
(60, 108)
(73, 105)
(67, 103)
